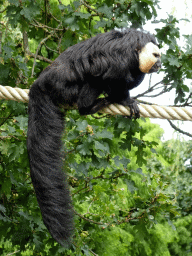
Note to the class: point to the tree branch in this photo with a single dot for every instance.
(152, 88)
(3, 10)
(39, 57)
(179, 130)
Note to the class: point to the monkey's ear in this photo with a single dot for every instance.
(149, 57)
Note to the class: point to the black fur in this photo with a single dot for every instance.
(105, 63)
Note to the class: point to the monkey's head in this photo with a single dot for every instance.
(149, 58)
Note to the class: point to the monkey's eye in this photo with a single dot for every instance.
(156, 55)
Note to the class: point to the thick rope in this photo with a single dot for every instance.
(17, 94)
(152, 111)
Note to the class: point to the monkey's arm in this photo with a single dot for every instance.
(132, 104)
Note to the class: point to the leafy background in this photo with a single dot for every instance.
(131, 191)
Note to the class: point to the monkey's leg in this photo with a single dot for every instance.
(98, 105)
(87, 100)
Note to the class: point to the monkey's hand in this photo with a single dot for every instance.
(133, 105)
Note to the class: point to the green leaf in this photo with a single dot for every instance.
(173, 61)
(37, 242)
(4, 147)
(102, 23)
(13, 14)
(23, 121)
(26, 12)
(30, 11)
(82, 15)
(131, 186)
(139, 171)
(171, 224)
(106, 10)
(6, 186)
(121, 161)
(185, 88)
(70, 20)
(82, 125)
(76, 4)
(84, 149)
(102, 146)
(8, 51)
(104, 134)
(153, 151)
(14, 2)
(2, 208)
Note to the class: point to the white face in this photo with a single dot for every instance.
(148, 56)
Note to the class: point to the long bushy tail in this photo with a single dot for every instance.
(44, 148)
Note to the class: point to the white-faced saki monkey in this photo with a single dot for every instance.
(111, 63)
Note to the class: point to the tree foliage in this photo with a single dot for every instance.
(131, 192)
